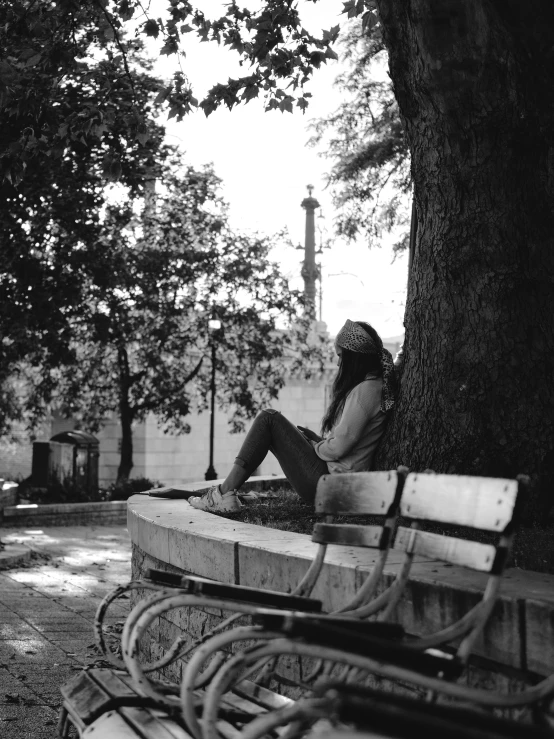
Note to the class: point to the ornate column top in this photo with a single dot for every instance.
(310, 203)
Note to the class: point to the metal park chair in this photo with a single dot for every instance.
(361, 494)
(482, 504)
(374, 493)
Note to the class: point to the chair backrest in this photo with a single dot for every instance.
(357, 494)
(481, 503)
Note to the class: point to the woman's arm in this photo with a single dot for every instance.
(362, 404)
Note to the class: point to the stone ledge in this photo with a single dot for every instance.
(14, 554)
(8, 496)
(518, 635)
(68, 514)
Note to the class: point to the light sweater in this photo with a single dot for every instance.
(351, 443)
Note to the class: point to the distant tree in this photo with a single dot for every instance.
(364, 138)
(51, 216)
(68, 84)
(141, 336)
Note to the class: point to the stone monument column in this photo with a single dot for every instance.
(309, 268)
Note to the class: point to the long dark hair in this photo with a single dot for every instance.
(353, 368)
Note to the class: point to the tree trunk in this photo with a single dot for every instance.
(125, 418)
(473, 79)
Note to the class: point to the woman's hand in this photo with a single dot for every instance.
(309, 434)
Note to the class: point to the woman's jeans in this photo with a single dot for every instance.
(272, 432)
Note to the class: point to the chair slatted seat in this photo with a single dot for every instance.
(129, 722)
(91, 693)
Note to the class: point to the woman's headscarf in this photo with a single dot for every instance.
(353, 337)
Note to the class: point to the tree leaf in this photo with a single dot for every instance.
(151, 28)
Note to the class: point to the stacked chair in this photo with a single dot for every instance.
(228, 684)
(375, 493)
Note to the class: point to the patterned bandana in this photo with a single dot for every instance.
(353, 337)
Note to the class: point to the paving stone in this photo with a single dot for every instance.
(7, 616)
(19, 721)
(16, 630)
(75, 636)
(32, 651)
(46, 617)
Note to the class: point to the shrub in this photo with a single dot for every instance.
(59, 492)
(124, 490)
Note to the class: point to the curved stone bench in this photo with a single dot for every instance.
(517, 646)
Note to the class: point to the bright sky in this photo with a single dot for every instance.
(265, 166)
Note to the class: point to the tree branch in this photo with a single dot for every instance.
(156, 401)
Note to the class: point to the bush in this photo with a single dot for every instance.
(59, 492)
(124, 490)
(66, 492)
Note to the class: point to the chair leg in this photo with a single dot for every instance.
(63, 724)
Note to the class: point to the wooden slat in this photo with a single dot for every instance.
(227, 730)
(356, 493)
(257, 596)
(461, 552)
(348, 534)
(237, 702)
(481, 502)
(262, 696)
(152, 724)
(83, 698)
(109, 726)
(115, 684)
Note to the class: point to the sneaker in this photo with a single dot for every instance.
(213, 500)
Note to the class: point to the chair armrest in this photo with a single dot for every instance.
(275, 620)
(256, 596)
(351, 638)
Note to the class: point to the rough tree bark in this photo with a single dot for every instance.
(125, 417)
(474, 81)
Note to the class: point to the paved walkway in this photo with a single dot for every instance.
(47, 610)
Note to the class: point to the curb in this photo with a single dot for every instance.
(65, 514)
(14, 554)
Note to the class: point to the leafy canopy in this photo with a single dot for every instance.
(48, 46)
(51, 218)
(364, 137)
(154, 281)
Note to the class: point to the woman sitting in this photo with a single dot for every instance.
(363, 392)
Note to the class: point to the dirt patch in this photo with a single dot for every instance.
(533, 547)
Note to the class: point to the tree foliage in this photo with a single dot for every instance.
(78, 111)
(48, 46)
(51, 216)
(155, 281)
(364, 138)
(69, 84)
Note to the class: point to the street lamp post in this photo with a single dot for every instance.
(214, 325)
